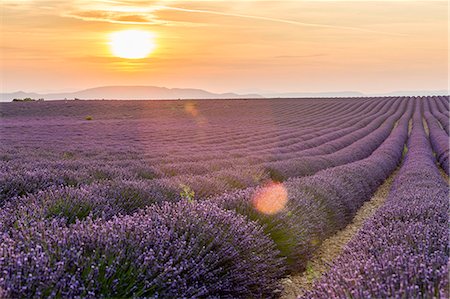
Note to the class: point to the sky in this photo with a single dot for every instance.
(227, 46)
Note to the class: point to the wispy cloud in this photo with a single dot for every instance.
(235, 44)
(278, 20)
(146, 13)
(115, 17)
(299, 56)
(147, 16)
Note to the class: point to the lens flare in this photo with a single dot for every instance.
(191, 109)
(271, 199)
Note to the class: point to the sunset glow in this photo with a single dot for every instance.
(132, 44)
(285, 149)
(248, 46)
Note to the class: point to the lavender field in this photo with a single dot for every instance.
(222, 198)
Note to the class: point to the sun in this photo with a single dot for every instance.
(132, 44)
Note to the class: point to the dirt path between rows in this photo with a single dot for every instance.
(444, 175)
(332, 247)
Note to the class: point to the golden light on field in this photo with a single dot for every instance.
(271, 199)
(132, 44)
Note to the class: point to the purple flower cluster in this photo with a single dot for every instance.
(99, 200)
(402, 252)
(170, 251)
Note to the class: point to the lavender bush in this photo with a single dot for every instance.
(402, 252)
(176, 250)
(439, 108)
(439, 139)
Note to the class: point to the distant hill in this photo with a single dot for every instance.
(163, 93)
(129, 93)
(355, 94)
(315, 94)
(416, 93)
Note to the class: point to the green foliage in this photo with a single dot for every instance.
(67, 209)
(275, 175)
(282, 235)
(24, 100)
(68, 155)
(187, 193)
(100, 174)
(405, 150)
(233, 182)
(146, 174)
(311, 275)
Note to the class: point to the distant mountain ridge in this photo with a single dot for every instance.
(315, 94)
(163, 93)
(356, 94)
(129, 93)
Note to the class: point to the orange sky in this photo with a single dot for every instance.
(222, 46)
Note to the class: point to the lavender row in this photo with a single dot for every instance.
(331, 154)
(181, 250)
(21, 182)
(66, 156)
(164, 129)
(402, 252)
(300, 213)
(443, 103)
(126, 196)
(442, 117)
(70, 155)
(439, 139)
(219, 254)
(184, 249)
(318, 146)
(203, 156)
(293, 147)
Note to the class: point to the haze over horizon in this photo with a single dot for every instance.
(251, 46)
(148, 92)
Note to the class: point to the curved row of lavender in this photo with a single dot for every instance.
(258, 126)
(186, 248)
(438, 138)
(402, 251)
(195, 135)
(439, 107)
(106, 199)
(67, 159)
(74, 172)
(443, 104)
(346, 149)
(318, 206)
